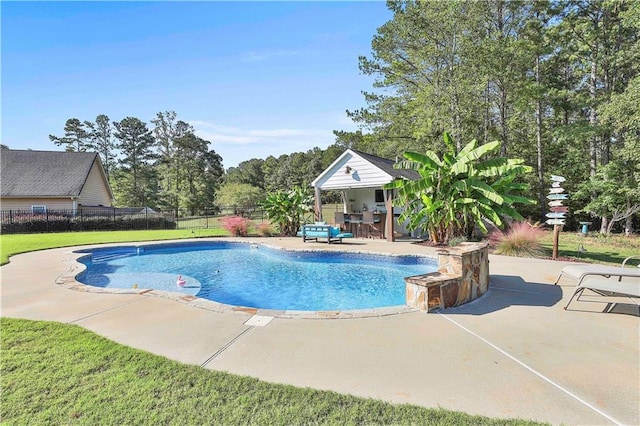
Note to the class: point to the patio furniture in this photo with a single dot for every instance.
(341, 220)
(313, 232)
(607, 287)
(579, 272)
(369, 225)
(355, 219)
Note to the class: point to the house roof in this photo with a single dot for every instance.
(45, 173)
(368, 171)
(386, 166)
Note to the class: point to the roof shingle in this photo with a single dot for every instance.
(44, 173)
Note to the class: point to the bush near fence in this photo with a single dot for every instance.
(85, 219)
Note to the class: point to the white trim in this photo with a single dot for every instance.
(39, 207)
(347, 159)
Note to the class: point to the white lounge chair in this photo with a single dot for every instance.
(607, 287)
(580, 271)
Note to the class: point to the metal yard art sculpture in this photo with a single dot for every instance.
(558, 212)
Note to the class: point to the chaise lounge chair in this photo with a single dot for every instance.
(579, 272)
(607, 287)
(598, 279)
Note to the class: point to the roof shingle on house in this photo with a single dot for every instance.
(44, 173)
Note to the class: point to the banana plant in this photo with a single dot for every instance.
(286, 208)
(459, 191)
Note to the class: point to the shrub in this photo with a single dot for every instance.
(454, 241)
(522, 239)
(264, 230)
(236, 225)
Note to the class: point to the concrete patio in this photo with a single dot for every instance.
(515, 352)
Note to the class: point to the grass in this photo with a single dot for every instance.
(23, 243)
(612, 249)
(521, 239)
(63, 374)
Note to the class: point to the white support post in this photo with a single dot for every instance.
(388, 204)
(345, 208)
(318, 204)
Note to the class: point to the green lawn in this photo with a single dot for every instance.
(22, 243)
(597, 248)
(63, 374)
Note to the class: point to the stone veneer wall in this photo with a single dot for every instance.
(463, 276)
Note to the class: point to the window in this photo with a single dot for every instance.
(39, 209)
(379, 196)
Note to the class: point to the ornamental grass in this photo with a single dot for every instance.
(521, 239)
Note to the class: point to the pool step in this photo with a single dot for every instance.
(111, 256)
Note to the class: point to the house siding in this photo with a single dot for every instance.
(363, 175)
(26, 203)
(94, 192)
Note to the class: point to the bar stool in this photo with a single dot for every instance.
(368, 222)
(356, 219)
(341, 220)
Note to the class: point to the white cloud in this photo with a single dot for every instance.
(237, 144)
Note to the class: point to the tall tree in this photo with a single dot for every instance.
(166, 131)
(418, 56)
(76, 137)
(249, 172)
(101, 135)
(199, 169)
(621, 113)
(594, 34)
(136, 143)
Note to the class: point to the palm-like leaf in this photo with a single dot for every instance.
(459, 191)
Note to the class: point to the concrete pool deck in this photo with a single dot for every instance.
(512, 353)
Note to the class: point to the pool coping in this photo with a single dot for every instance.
(75, 268)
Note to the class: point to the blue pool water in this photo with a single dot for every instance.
(257, 276)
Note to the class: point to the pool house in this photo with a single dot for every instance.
(367, 206)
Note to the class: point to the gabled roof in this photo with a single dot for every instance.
(386, 166)
(45, 173)
(379, 171)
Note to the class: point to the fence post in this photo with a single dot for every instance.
(146, 218)
(114, 216)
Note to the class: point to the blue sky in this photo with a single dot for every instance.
(254, 78)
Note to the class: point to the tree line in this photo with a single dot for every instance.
(556, 82)
(166, 167)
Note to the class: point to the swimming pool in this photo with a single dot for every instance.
(257, 276)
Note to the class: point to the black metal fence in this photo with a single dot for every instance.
(131, 218)
(116, 219)
(84, 219)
